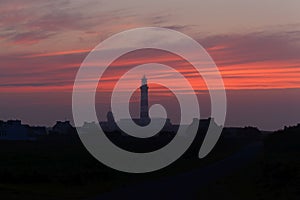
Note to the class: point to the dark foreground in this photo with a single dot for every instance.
(59, 167)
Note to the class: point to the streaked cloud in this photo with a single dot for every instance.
(44, 42)
(249, 61)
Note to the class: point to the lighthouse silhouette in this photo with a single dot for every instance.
(144, 109)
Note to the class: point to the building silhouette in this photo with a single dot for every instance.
(144, 118)
(144, 104)
(63, 127)
(13, 130)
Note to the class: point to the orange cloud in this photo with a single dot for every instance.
(58, 53)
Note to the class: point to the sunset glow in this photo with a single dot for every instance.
(43, 45)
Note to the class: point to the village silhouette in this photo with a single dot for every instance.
(15, 130)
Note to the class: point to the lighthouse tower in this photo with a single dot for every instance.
(144, 109)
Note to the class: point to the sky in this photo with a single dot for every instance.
(255, 44)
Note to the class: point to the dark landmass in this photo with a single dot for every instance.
(57, 166)
(274, 175)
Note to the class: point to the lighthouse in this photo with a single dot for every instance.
(144, 109)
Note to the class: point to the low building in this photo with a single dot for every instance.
(37, 131)
(63, 127)
(14, 130)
